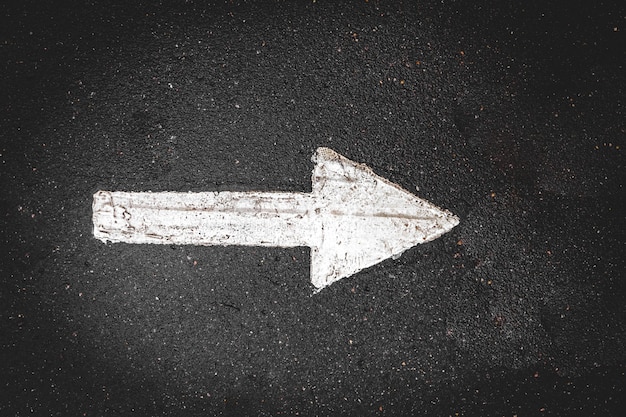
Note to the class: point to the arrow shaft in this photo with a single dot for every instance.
(207, 218)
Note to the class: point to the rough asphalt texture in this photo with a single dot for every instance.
(510, 116)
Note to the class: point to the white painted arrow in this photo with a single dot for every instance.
(352, 220)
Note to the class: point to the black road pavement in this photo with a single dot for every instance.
(509, 115)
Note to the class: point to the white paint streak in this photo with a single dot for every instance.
(353, 218)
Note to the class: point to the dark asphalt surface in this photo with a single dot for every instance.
(509, 115)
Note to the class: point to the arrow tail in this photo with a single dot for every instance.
(207, 218)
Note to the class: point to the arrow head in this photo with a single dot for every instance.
(365, 218)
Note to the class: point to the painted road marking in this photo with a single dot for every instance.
(351, 220)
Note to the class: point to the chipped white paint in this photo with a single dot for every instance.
(352, 219)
